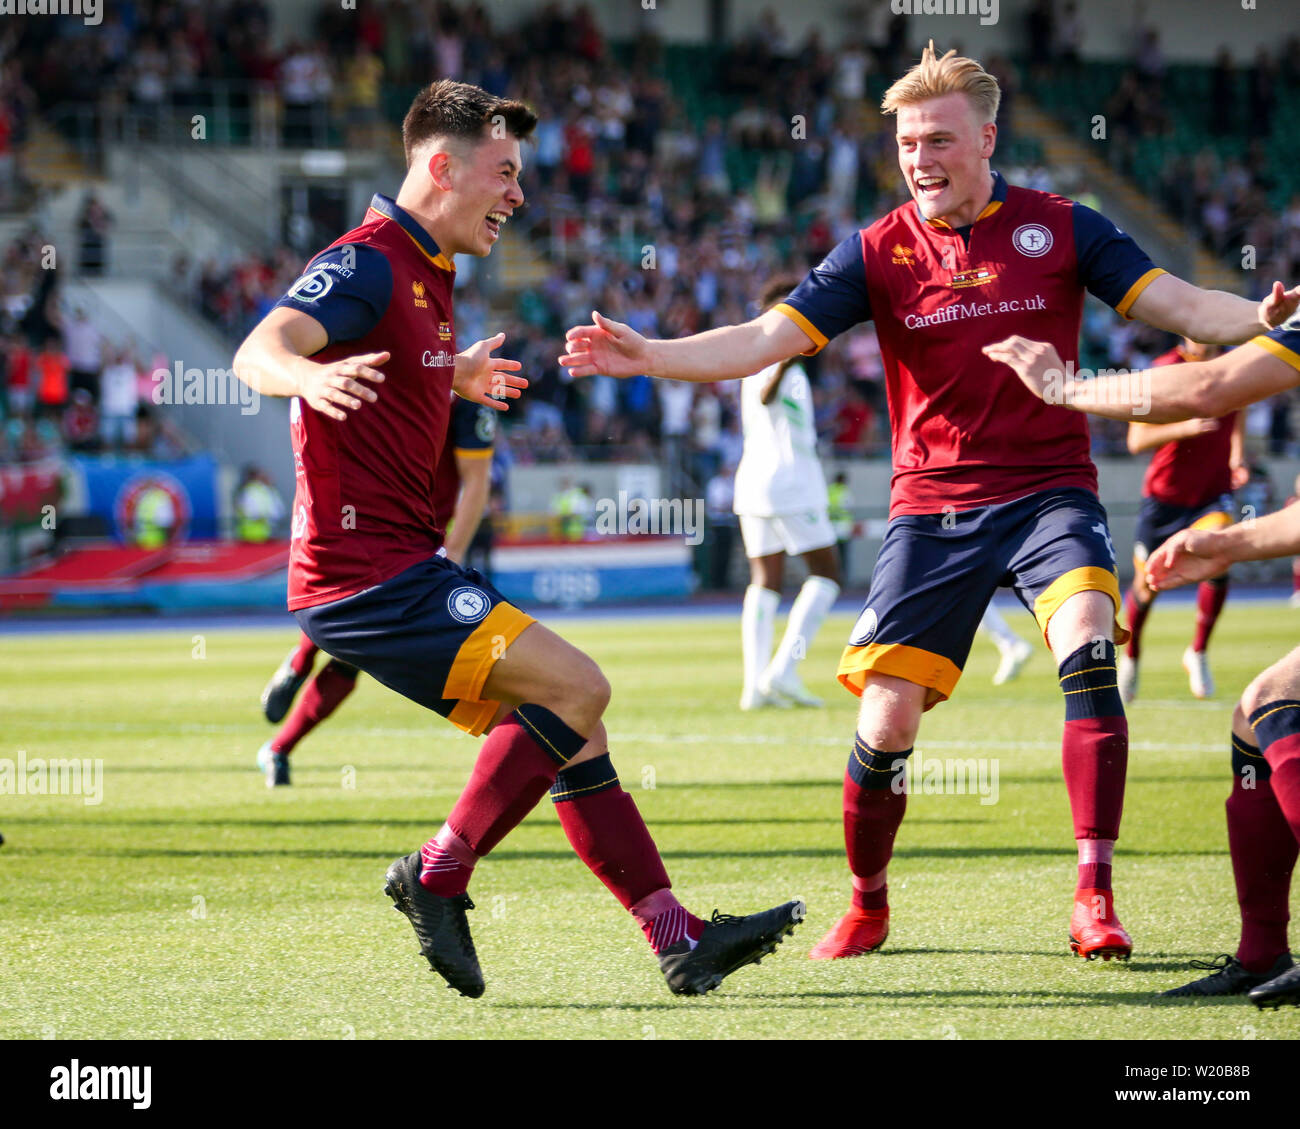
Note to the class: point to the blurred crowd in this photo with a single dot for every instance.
(66, 386)
(650, 198)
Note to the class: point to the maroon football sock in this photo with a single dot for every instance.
(512, 773)
(304, 654)
(1095, 864)
(872, 817)
(320, 698)
(1283, 756)
(1264, 829)
(1210, 595)
(1094, 758)
(1135, 611)
(607, 832)
(875, 898)
(1263, 851)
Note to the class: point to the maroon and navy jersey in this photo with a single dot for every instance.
(364, 507)
(965, 431)
(1191, 471)
(471, 435)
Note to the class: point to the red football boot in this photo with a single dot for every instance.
(1095, 931)
(858, 932)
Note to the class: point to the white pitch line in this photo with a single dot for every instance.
(193, 729)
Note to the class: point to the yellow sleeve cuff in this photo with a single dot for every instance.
(818, 338)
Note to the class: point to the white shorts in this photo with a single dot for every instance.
(795, 533)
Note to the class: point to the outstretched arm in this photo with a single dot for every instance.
(1213, 316)
(273, 360)
(1205, 389)
(1198, 554)
(610, 348)
(1149, 436)
(475, 484)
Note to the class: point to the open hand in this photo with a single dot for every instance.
(1187, 557)
(334, 389)
(486, 379)
(1037, 363)
(1280, 304)
(607, 348)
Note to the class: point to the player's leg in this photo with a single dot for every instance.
(445, 638)
(1014, 650)
(875, 801)
(1271, 704)
(905, 654)
(758, 611)
(814, 540)
(1094, 757)
(1064, 568)
(1151, 534)
(1210, 597)
(606, 829)
(288, 679)
(1261, 839)
(321, 697)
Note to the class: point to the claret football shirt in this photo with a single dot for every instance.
(364, 507)
(965, 431)
(1195, 470)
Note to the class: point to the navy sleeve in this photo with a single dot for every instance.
(474, 426)
(346, 289)
(1284, 341)
(833, 297)
(1111, 265)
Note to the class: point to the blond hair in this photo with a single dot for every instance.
(934, 77)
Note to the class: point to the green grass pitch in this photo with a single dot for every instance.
(193, 902)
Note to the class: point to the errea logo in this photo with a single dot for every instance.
(902, 256)
(417, 290)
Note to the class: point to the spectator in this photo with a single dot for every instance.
(80, 423)
(93, 226)
(51, 378)
(85, 352)
(258, 507)
(118, 401)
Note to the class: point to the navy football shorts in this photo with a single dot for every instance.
(432, 633)
(936, 574)
(1159, 521)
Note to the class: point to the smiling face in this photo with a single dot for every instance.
(944, 150)
(479, 192)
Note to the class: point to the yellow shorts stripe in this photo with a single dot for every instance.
(901, 661)
(480, 652)
(1089, 578)
(473, 717)
(1215, 519)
